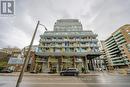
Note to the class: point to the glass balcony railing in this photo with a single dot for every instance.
(114, 49)
(118, 63)
(116, 58)
(57, 40)
(114, 52)
(115, 46)
(122, 41)
(111, 44)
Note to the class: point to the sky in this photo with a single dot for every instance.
(101, 16)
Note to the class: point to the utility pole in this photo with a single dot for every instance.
(27, 58)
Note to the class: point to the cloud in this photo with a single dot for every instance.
(101, 16)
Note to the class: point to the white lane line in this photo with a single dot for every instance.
(78, 83)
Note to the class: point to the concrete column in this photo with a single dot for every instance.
(96, 66)
(89, 64)
(93, 64)
(84, 61)
(97, 63)
(100, 63)
(85, 64)
(35, 67)
(74, 65)
(59, 64)
(43, 67)
(48, 62)
(87, 70)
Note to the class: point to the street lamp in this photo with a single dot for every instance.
(28, 55)
(43, 26)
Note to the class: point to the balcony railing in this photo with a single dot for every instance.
(62, 40)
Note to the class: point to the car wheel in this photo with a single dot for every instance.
(75, 74)
(61, 74)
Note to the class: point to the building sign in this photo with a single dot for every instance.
(7, 7)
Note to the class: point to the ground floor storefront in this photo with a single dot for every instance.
(57, 63)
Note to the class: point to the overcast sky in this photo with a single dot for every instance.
(101, 16)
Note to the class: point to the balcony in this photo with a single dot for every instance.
(122, 41)
(112, 47)
(114, 52)
(66, 60)
(41, 60)
(67, 53)
(117, 36)
(116, 58)
(70, 40)
(118, 64)
(52, 60)
(111, 44)
(84, 45)
(110, 40)
(116, 61)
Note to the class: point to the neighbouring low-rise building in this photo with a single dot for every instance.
(24, 52)
(13, 52)
(7, 57)
(15, 64)
(4, 57)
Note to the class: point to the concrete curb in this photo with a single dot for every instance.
(10, 74)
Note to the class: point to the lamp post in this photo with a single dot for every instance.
(26, 61)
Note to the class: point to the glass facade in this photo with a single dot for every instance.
(67, 45)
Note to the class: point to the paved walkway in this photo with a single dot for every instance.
(38, 74)
(92, 73)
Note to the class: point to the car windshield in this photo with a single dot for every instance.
(71, 69)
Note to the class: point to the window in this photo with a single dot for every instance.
(128, 47)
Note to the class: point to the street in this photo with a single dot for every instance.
(102, 80)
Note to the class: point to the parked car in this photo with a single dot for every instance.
(34, 72)
(6, 71)
(69, 72)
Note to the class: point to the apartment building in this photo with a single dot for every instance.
(118, 47)
(103, 57)
(67, 46)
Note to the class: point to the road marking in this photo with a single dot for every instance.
(78, 83)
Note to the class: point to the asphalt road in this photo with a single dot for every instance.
(68, 81)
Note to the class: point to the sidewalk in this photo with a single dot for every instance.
(92, 73)
(45, 74)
